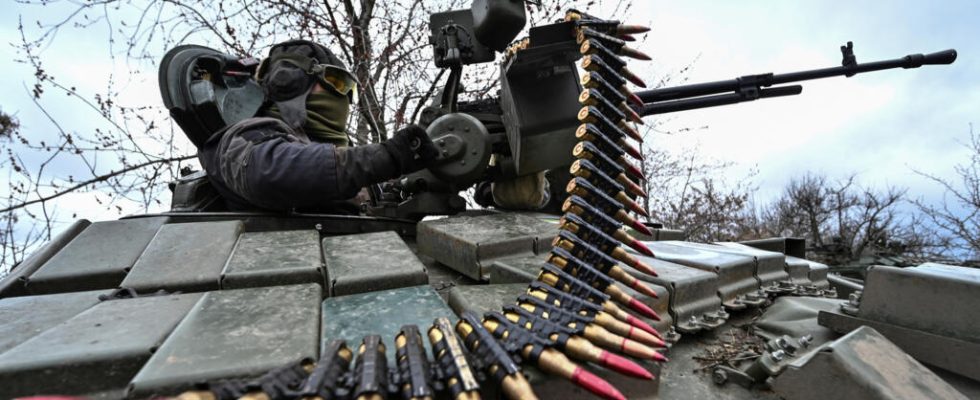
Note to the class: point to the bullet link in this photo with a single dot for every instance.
(448, 351)
(586, 169)
(618, 111)
(611, 42)
(613, 211)
(563, 257)
(599, 222)
(569, 340)
(608, 205)
(612, 92)
(610, 139)
(587, 150)
(590, 133)
(495, 358)
(596, 125)
(549, 359)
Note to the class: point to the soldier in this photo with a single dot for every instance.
(295, 153)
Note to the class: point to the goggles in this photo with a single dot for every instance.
(331, 77)
(336, 78)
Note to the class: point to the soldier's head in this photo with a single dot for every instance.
(309, 88)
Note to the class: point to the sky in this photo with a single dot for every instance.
(880, 126)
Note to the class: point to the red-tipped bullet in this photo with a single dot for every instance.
(635, 99)
(634, 53)
(624, 29)
(642, 248)
(633, 151)
(596, 385)
(631, 131)
(636, 349)
(623, 365)
(630, 76)
(633, 116)
(642, 325)
(644, 267)
(626, 37)
(632, 169)
(641, 287)
(642, 228)
(644, 309)
(645, 337)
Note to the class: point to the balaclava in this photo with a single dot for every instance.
(287, 82)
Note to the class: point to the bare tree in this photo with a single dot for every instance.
(844, 221)
(958, 217)
(686, 192)
(135, 151)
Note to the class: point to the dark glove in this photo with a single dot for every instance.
(412, 149)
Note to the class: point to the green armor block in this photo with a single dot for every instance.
(98, 258)
(25, 317)
(483, 298)
(519, 269)
(234, 333)
(470, 244)
(98, 350)
(186, 257)
(274, 258)
(369, 262)
(381, 313)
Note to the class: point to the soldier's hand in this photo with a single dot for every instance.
(412, 149)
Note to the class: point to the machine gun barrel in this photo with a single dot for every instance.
(750, 87)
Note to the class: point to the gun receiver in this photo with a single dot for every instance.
(751, 87)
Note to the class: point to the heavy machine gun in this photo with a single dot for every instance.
(529, 127)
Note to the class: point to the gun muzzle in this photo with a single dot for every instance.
(938, 58)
